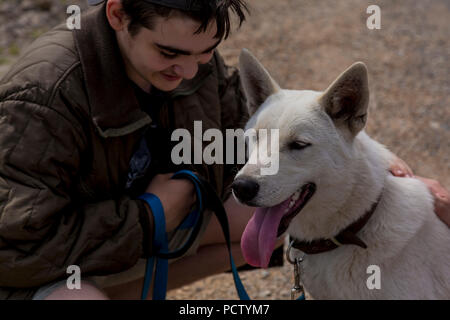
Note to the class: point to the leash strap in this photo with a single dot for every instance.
(204, 193)
(215, 204)
(160, 245)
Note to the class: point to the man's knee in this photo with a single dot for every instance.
(88, 291)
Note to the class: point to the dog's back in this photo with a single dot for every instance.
(417, 255)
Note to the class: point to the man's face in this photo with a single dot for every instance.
(169, 53)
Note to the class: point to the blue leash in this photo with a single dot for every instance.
(160, 245)
(194, 220)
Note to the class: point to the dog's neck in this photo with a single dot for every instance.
(372, 168)
(348, 236)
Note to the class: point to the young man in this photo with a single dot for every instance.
(74, 109)
(73, 112)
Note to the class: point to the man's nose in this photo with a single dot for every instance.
(188, 69)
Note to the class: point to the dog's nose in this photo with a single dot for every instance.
(245, 189)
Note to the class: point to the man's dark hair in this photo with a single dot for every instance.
(143, 14)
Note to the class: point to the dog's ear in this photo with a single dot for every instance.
(256, 81)
(347, 99)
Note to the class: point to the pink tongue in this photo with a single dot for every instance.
(260, 235)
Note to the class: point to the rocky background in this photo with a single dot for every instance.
(306, 44)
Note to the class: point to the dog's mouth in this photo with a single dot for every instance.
(296, 203)
(267, 224)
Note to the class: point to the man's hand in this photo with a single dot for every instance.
(399, 168)
(176, 195)
(441, 199)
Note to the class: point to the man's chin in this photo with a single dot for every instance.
(168, 88)
(165, 85)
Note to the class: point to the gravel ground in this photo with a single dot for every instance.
(305, 44)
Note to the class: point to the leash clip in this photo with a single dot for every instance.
(297, 291)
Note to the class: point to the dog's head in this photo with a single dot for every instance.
(316, 131)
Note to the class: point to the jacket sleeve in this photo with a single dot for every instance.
(42, 230)
(234, 111)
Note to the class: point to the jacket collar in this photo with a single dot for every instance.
(114, 107)
(345, 237)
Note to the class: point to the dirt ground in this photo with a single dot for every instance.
(306, 44)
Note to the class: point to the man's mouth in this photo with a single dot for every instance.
(170, 77)
(268, 224)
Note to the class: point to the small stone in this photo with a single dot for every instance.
(434, 125)
(265, 293)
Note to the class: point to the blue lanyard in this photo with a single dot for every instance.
(194, 221)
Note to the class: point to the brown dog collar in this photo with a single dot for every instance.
(345, 237)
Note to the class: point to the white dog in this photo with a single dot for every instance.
(334, 195)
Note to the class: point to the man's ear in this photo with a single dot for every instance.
(116, 15)
(347, 99)
(257, 83)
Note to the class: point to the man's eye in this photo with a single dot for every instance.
(168, 55)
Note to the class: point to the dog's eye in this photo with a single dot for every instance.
(298, 145)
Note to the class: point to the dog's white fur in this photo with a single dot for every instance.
(404, 236)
